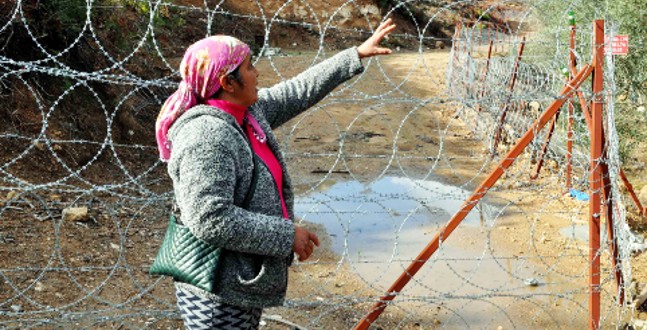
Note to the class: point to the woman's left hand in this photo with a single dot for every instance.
(371, 46)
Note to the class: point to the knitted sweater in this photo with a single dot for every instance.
(211, 168)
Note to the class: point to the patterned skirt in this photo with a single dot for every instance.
(202, 313)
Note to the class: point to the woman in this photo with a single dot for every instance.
(209, 153)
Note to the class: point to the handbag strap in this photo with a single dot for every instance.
(252, 185)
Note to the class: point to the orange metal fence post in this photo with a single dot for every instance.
(569, 141)
(481, 94)
(630, 188)
(544, 150)
(476, 196)
(607, 199)
(569, 134)
(595, 179)
(506, 105)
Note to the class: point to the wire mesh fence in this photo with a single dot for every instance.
(379, 165)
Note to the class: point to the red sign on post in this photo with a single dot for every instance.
(619, 45)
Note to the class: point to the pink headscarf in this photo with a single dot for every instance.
(203, 64)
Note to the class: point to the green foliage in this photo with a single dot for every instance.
(623, 17)
(482, 15)
(64, 17)
(161, 16)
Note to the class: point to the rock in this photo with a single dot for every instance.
(439, 44)
(531, 282)
(11, 195)
(55, 198)
(39, 287)
(76, 214)
(39, 145)
(641, 108)
(16, 308)
(534, 106)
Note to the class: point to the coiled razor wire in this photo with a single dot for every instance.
(379, 165)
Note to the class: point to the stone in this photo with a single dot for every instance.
(39, 145)
(76, 214)
(531, 282)
(11, 195)
(439, 44)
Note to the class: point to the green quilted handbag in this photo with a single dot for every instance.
(189, 259)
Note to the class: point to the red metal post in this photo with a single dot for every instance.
(569, 133)
(607, 199)
(569, 141)
(476, 196)
(544, 150)
(482, 92)
(569, 147)
(595, 178)
(630, 188)
(506, 105)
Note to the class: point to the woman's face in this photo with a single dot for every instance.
(246, 91)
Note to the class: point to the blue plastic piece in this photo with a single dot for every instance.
(579, 195)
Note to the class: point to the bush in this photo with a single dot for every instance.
(622, 17)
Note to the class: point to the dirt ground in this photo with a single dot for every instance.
(119, 244)
(425, 80)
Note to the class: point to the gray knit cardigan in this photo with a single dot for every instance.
(211, 168)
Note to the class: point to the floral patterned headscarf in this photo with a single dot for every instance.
(203, 64)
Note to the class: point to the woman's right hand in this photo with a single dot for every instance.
(304, 242)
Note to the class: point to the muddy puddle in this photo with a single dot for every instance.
(379, 228)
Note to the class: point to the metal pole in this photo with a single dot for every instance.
(506, 105)
(544, 150)
(482, 92)
(607, 198)
(569, 134)
(630, 188)
(476, 196)
(595, 178)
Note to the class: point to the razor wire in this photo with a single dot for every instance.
(379, 166)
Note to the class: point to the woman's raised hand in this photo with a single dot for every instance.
(371, 46)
